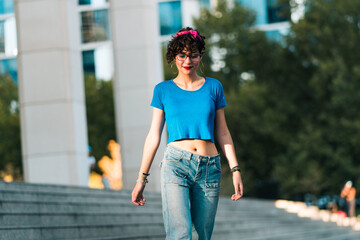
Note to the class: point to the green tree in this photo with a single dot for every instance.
(324, 153)
(10, 141)
(293, 108)
(246, 59)
(100, 114)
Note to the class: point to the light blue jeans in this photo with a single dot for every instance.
(190, 187)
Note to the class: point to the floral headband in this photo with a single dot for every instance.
(192, 32)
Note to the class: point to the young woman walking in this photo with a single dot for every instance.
(193, 109)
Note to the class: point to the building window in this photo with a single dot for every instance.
(88, 61)
(2, 36)
(93, 2)
(6, 6)
(95, 26)
(9, 66)
(170, 17)
(276, 12)
(205, 3)
(259, 7)
(8, 42)
(99, 62)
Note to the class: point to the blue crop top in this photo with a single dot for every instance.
(189, 114)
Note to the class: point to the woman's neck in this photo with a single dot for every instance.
(189, 83)
(187, 79)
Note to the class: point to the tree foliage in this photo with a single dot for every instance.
(100, 114)
(295, 120)
(10, 141)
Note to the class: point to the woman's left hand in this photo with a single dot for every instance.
(238, 186)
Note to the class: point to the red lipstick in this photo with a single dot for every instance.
(188, 68)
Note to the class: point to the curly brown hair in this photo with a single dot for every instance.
(185, 41)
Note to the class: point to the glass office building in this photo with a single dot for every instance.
(97, 52)
(95, 37)
(269, 17)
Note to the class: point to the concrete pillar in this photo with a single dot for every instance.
(52, 102)
(138, 68)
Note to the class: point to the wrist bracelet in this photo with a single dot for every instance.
(146, 174)
(145, 181)
(236, 168)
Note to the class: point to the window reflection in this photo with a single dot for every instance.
(93, 2)
(95, 26)
(8, 43)
(259, 7)
(204, 3)
(6, 6)
(88, 61)
(99, 62)
(9, 66)
(2, 36)
(277, 12)
(170, 17)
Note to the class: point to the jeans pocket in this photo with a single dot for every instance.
(173, 156)
(175, 169)
(212, 189)
(217, 165)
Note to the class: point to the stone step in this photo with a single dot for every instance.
(123, 231)
(7, 195)
(75, 208)
(24, 220)
(56, 188)
(275, 229)
(44, 192)
(240, 231)
(349, 235)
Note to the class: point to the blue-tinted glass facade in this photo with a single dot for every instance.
(99, 62)
(88, 62)
(9, 66)
(92, 2)
(267, 11)
(170, 17)
(205, 3)
(2, 36)
(6, 6)
(95, 26)
(259, 6)
(276, 12)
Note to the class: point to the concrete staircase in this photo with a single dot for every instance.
(253, 219)
(37, 211)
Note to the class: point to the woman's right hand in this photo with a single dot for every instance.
(137, 194)
(238, 186)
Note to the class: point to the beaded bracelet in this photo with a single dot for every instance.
(236, 168)
(145, 181)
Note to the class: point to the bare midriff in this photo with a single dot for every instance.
(197, 146)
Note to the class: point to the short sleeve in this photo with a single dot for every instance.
(220, 98)
(157, 98)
